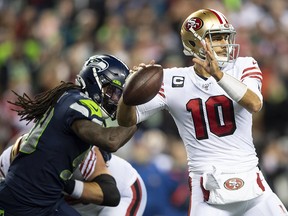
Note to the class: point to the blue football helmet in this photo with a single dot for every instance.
(102, 78)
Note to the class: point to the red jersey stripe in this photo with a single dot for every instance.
(254, 74)
(162, 95)
(91, 168)
(87, 164)
(136, 199)
(162, 91)
(251, 68)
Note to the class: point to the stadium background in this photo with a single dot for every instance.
(43, 42)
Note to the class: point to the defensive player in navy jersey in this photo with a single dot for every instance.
(68, 120)
(133, 194)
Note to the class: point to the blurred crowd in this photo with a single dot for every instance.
(44, 42)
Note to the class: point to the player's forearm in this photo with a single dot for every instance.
(92, 193)
(101, 191)
(251, 102)
(110, 139)
(118, 137)
(126, 115)
(240, 93)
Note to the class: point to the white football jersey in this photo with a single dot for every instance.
(216, 130)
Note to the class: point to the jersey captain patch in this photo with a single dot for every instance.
(178, 81)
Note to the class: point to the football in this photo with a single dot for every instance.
(143, 85)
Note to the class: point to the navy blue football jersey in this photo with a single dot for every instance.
(51, 151)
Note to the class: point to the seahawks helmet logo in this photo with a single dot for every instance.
(97, 63)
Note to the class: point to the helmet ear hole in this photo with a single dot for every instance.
(192, 43)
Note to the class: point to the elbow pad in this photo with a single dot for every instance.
(111, 194)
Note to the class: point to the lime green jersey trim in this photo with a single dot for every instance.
(92, 106)
(31, 141)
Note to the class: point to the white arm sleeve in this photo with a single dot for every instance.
(148, 109)
(251, 75)
(87, 167)
(254, 85)
(5, 162)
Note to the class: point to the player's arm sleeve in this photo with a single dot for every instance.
(8, 155)
(255, 86)
(93, 165)
(252, 77)
(150, 108)
(5, 162)
(87, 166)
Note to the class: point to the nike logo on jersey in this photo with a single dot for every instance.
(254, 62)
(178, 81)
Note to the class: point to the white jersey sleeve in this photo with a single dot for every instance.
(251, 74)
(216, 130)
(146, 110)
(5, 161)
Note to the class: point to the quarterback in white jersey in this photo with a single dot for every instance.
(212, 104)
(133, 195)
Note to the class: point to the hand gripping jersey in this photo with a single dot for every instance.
(51, 151)
(215, 129)
(130, 184)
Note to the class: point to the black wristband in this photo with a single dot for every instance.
(111, 194)
(69, 186)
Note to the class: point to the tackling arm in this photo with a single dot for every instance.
(101, 188)
(126, 115)
(109, 139)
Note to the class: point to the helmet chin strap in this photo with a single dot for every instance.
(104, 113)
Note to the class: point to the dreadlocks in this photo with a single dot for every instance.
(35, 109)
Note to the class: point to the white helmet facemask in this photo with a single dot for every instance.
(232, 49)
